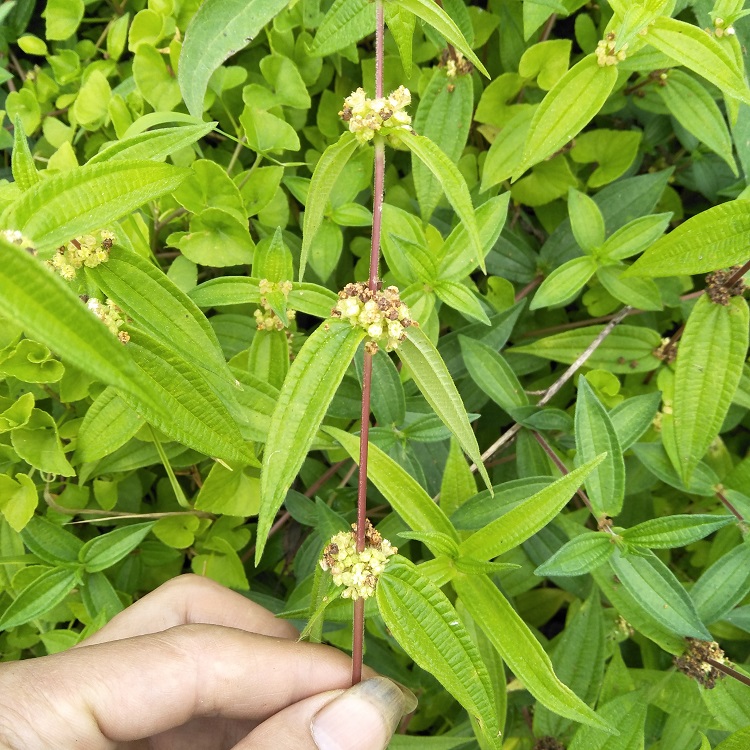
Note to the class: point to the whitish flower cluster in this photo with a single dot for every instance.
(380, 313)
(721, 28)
(265, 317)
(386, 115)
(14, 236)
(357, 571)
(111, 315)
(606, 54)
(86, 250)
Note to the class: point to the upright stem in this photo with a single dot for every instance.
(358, 625)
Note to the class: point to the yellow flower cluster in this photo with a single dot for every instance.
(606, 54)
(721, 29)
(111, 315)
(357, 571)
(86, 250)
(380, 313)
(265, 318)
(386, 115)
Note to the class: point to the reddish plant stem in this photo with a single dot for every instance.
(547, 448)
(727, 670)
(358, 624)
(735, 277)
(533, 284)
(729, 506)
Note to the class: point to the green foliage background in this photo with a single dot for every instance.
(595, 174)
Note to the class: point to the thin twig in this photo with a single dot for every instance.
(533, 284)
(737, 275)
(547, 448)
(729, 506)
(727, 670)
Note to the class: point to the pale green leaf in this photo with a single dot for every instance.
(580, 555)
(22, 161)
(346, 22)
(628, 713)
(586, 220)
(39, 597)
(564, 283)
(640, 293)
(724, 585)
(460, 298)
(109, 548)
(675, 531)
(108, 424)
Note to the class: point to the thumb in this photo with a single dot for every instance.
(364, 717)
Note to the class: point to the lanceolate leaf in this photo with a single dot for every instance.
(628, 713)
(40, 596)
(716, 238)
(513, 640)
(308, 389)
(107, 549)
(452, 182)
(571, 104)
(580, 555)
(710, 357)
(429, 629)
(699, 51)
(218, 30)
(595, 434)
(564, 282)
(431, 375)
(675, 531)
(405, 495)
(346, 22)
(72, 203)
(724, 585)
(658, 593)
(527, 517)
(436, 17)
(327, 171)
(22, 162)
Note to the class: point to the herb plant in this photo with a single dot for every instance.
(294, 273)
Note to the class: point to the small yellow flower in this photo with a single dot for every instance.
(384, 115)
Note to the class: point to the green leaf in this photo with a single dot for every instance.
(520, 650)
(694, 108)
(328, 169)
(218, 30)
(268, 133)
(38, 443)
(632, 417)
(51, 542)
(628, 713)
(653, 456)
(564, 283)
(405, 495)
(566, 109)
(460, 298)
(105, 550)
(18, 500)
(493, 374)
(715, 238)
(217, 238)
(231, 491)
(580, 555)
(675, 531)
(506, 151)
(40, 596)
(62, 18)
(452, 182)
(443, 116)
(22, 161)
(401, 24)
(612, 152)
(99, 597)
(346, 22)
(305, 396)
(526, 518)
(154, 145)
(69, 204)
(458, 483)
(431, 375)
(643, 294)
(435, 16)
(658, 593)
(724, 585)
(737, 741)
(586, 221)
(428, 628)
(699, 51)
(709, 364)
(109, 424)
(595, 435)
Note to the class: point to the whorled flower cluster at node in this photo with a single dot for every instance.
(110, 314)
(380, 313)
(454, 63)
(357, 571)
(385, 115)
(606, 54)
(721, 285)
(694, 662)
(265, 318)
(15, 237)
(86, 250)
(722, 28)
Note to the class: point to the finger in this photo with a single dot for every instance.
(364, 717)
(134, 688)
(191, 599)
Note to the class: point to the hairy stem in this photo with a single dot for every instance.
(358, 636)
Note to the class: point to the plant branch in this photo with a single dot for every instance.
(737, 275)
(727, 670)
(547, 448)
(533, 284)
(729, 506)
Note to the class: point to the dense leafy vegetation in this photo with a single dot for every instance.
(551, 381)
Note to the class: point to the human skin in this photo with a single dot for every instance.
(195, 665)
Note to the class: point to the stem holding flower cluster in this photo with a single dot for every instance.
(358, 635)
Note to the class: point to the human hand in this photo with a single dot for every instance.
(195, 665)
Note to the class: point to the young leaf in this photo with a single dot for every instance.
(39, 597)
(724, 585)
(699, 51)
(72, 203)
(431, 375)
(595, 435)
(520, 650)
(452, 182)
(401, 24)
(709, 364)
(580, 555)
(22, 161)
(218, 30)
(305, 396)
(658, 593)
(435, 16)
(405, 495)
(346, 22)
(586, 220)
(521, 522)
(105, 550)
(428, 628)
(108, 424)
(634, 237)
(460, 298)
(330, 165)
(564, 282)
(715, 238)
(643, 294)
(675, 531)
(566, 109)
